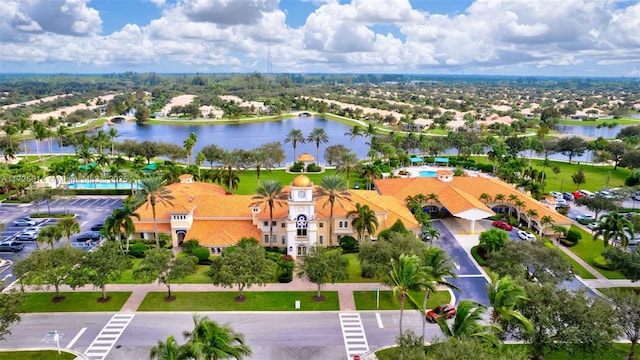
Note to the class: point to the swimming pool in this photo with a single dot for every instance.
(428, 173)
(101, 185)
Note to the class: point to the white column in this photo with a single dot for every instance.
(473, 227)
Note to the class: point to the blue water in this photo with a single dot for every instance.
(428, 173)
(102, 185)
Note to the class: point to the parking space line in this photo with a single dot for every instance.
(355, 339)
(110, 333)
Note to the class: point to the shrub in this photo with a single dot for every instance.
(475, 252)
(190, 245)
(573, 236)
(485, 167)
(602, 263)
(137, 250)
(313, 168)
(297, 167)
(367, 271)
(202, 253)
(286, 265)
(349, 244)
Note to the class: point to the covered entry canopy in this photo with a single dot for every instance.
(441, 160)
(416, 160)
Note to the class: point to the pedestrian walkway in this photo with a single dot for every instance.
(102, 344)
(355, 339)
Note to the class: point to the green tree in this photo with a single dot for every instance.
(228, 172)
(243, 266)
(598, 203)
(627, 305)
(505, 295)
(50, 234)
(578, 178)
(493, 240)
(295, 137)
(370, 172)
(374, 257)
(268, 196)
(321, 266)
(152, 191)
(121, 223)
(334, 189)
(69, 226)
(627, 262)
(189, 144)
(167, 350)
(100, 266)
(405, 275)
(455, 349)
(436, 267)
(347, 163)
(468, 322)
(161, 264)
(10, 308)
(363, 219)
(614, 227)
(210, 340)
(142, 114)
(318, 136)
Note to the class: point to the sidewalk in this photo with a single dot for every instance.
(139, 291)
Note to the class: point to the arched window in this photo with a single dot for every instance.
(301, 225)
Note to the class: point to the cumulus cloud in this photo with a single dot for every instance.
(227, 12)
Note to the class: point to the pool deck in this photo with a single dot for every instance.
(414, 171)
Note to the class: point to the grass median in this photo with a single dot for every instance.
(80, 301)
(36, 355)
(225, 301)
(366, 300)
(588, 250)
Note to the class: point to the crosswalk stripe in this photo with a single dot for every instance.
(110, 333)
(355, 339)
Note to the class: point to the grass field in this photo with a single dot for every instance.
(36, 355)
(224, 301)
(75, 302)
(577, 268)
(127, 275)
(587, 250)
(199, 277)
(366, 300)
(354, 271)
(617, 352)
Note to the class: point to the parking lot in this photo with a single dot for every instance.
(88, 210)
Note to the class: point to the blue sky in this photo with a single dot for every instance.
(492, 37)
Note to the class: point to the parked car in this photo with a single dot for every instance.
(502, 225)
(561, 202)
(586, 193)
(12, 246)
(97, 227)
(447, 311)
(525, 235)
(593, 225)
(577, 195)
(636, 197)
(555, 194)
(605, 194)
(356, 185)
(27, 236)
(585, 218)
(24, 222)
(89, 236)
(568, 196)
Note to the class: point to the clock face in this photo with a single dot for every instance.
(301, 194)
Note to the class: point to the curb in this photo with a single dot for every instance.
(79, 356)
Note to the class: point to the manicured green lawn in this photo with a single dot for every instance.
(75, 302)
(587, 250)
(224, 301)
(366, 300)
(127, 275)
(36, 355)
(596, 176)
(577, 268)
(199, 277)
(618, 352)
(354, 271)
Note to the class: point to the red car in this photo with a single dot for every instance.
(502, 225)
(448, 311)
(577, 195)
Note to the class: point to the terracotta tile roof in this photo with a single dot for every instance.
(221, 233)
(148, 226)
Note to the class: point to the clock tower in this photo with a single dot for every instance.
(302, 225)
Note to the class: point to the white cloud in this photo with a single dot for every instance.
(227, 12)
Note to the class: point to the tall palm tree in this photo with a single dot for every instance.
(260, 160)
(363, 219)
(531, 213)
(152, 191)
(405, 275)
(436, 266)
(499, 198)
(545, 221)
(318, 136)
(613, 227)
(355, 131)
(121, 222)
(209, 340)
(468, 322)
(113, 134)
(370, 172)
(167, 350)
(335, 190)
(295, 137)
(49, 234)
(484, 197)
(229, 161)
(505, 295)
(189, 144)
(348, 162)
(269, 195)
(69, 226)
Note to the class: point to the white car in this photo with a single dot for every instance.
(525, 235)
(593, 225)
(585, 217)
(555, 194)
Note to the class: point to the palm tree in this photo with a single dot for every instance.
(49, 234)
(531, 213)
(468, 322)
(505, 295)
(152, 191)
(484, 197)
(348, 162)
(113, 134)
(167, 350)
(295, 137)
(69, 226)
(121, 222)
(363, 219)
(355, 131)
(318, 136)
(209, 340)
(260, 159)
(229, 160)
(370, 172)
(499, 198)
(335, 189)
(269, 195)
(188, 145)
(545, 221)
(405, 275)
(436, 266)
(614, 227)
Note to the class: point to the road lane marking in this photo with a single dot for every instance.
(379, 319)
(75, 338)
(110, 333)
(355, 340)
